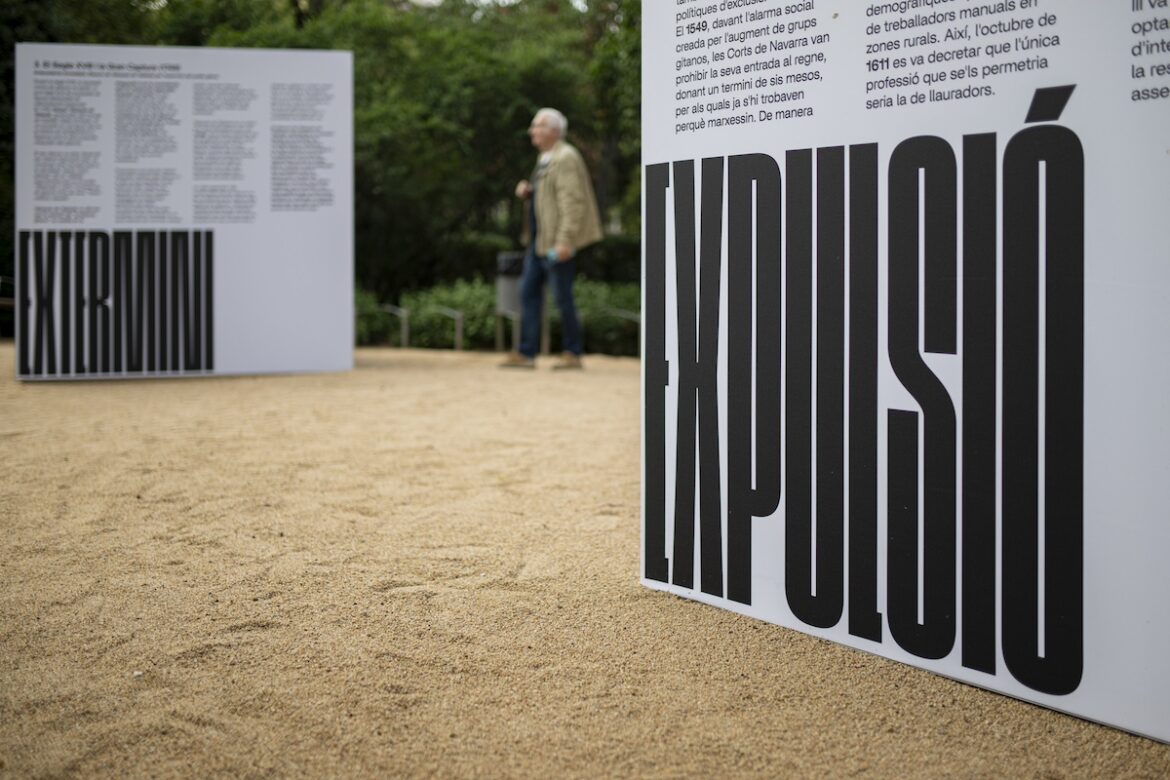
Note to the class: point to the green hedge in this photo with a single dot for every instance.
(604, 332)
(476, 299)
(371, 324)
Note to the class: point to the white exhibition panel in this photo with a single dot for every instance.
(906, 294)
(183, 211)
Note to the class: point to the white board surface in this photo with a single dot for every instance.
(182, 211)
(906, 295)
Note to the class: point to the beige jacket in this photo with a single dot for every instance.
(566, 208)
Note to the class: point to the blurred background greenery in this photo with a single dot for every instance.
(443, 94)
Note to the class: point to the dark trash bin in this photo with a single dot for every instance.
(510, 263)
(509, 266)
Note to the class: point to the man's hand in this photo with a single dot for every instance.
(564, 252)
(524, 190)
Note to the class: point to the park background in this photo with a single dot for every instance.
(425, 566)
(443, 95)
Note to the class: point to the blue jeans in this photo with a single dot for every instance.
(532, 280)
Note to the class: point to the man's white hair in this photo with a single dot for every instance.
(555, 120)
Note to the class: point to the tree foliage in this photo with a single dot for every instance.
(442, 99)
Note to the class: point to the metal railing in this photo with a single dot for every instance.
(456, 315)
(403, 316)
(514, 318)
(624, 314)
(458, 318)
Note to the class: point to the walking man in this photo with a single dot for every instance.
(560, 219)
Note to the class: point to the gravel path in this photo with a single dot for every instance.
(424, 567)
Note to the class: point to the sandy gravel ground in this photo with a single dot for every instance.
(425, 567)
